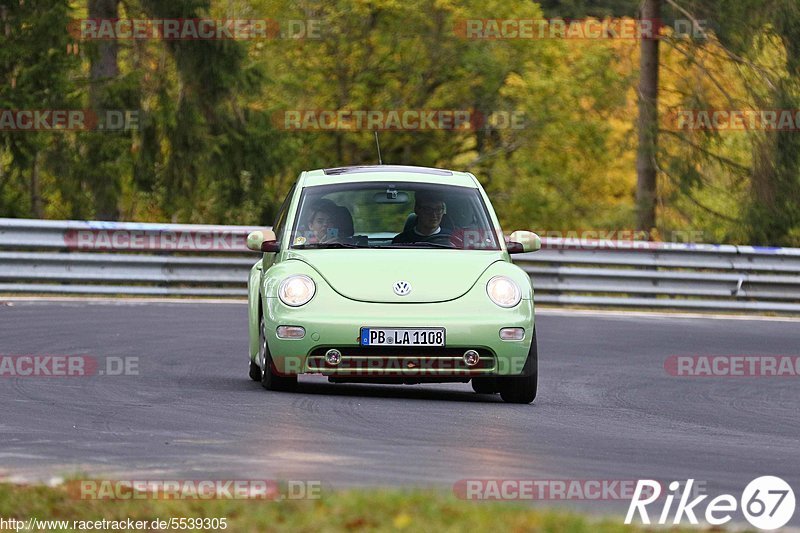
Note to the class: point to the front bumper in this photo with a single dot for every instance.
(332, 321)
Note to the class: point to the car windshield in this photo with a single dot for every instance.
(392, 215)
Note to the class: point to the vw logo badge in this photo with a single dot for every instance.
(401, 288)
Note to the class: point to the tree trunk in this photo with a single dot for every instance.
(648, 122)
(36, 194)
(104, 66)
(103, 71)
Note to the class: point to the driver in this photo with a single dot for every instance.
(429, 208)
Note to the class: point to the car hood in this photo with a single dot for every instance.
(370, 275)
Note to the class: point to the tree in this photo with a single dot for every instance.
(103, 180)
(761, 40)
(646, 154)
(34, 75)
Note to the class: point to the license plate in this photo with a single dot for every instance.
(402, 336)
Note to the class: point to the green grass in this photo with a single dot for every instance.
(355, 510)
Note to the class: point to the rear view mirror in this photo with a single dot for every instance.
(523, 241)
(391, 196)
(262, 241)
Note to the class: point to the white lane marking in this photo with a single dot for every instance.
(541, 310)
(118, 301)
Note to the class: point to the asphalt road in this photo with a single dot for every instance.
(606, 410)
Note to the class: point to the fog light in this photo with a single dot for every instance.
(333, 357)
(291, 332)
(471, 357)
(512, 334)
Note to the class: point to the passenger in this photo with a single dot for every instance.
(322, 223)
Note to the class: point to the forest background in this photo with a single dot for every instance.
(596, 149)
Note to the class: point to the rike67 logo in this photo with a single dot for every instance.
(767, 502)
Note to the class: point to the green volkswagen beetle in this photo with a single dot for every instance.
(392, 274)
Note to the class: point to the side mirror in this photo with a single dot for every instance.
(262, 241)
(523, 241)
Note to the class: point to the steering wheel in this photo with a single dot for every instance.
(440, 238)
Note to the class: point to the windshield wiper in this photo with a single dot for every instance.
(424, 243)
(322, 245)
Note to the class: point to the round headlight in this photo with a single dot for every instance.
(297, 290)
(503, 291)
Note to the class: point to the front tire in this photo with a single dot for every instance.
(523, 388)
(485, 385)
(270, 379)
(255, 371)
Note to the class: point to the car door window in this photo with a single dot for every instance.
(280, 219)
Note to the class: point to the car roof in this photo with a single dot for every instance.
(400, 173)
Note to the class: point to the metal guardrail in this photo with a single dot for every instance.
(75, 257)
